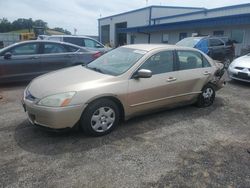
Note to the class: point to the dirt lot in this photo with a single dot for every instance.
(184, 147)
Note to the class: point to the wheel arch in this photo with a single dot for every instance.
(113, 98)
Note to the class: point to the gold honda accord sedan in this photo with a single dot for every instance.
(125, 82)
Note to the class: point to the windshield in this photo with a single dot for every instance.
(189, 42)
(116, 61)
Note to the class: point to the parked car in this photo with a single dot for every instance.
(26, 60)
(218, 48)
(80, 41)
(122, 83)
(239, 69)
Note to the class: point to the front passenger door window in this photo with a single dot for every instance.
(159, 63)
(25, 49)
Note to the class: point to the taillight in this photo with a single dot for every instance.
(96, 55)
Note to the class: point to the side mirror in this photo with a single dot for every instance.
(143, 73)
(7, 55)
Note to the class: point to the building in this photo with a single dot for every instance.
(167, 24)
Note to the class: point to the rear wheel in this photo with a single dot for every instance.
(206, 97)
(100, 117)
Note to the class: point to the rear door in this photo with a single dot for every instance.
(23, 63)
(194, 71)
(55, 56)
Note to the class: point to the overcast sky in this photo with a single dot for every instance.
(83, 14)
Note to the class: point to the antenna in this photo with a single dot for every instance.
(146, 2)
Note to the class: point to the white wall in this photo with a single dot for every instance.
(210, 14)
(162, 11)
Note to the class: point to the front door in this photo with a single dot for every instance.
(23, 64)
(157, 91)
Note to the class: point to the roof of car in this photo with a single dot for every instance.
(149, 47)
(47, 41)
(73, 36)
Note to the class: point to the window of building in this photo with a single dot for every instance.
(218, 33)
(237, 36)
(165, 38)
(182, 36)
(159, 63)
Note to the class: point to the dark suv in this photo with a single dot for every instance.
(218, 48)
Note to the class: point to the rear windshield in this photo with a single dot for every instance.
(189, 42)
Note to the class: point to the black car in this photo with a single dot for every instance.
(26, 60)
(218, 48)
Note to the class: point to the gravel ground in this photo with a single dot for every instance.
(183, 147)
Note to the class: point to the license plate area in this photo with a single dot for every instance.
(243, 75)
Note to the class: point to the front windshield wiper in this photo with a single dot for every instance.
(95, 69)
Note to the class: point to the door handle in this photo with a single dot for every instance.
(207, 73)
(171, 79)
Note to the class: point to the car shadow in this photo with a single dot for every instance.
(39, 141)
(239, 83)
(9, 86)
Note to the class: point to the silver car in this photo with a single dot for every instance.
(123, 83)
(239, 69)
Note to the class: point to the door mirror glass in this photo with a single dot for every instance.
(143, 73)
(7, 55)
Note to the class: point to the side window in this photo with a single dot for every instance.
(71, 48)
(189, 60)
(25, 49)
(161, 62)
(52, 48)
(91, 44)
(54, 38)
(215, 42)
(74, 40)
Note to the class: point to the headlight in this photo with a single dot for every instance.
(58, 100)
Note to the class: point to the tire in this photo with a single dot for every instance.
(206, 97)
(100, 117)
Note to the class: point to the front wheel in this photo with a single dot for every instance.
(206, 97)
(100, 117)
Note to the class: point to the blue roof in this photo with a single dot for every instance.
(209, 22)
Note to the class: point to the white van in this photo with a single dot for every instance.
(80, 41)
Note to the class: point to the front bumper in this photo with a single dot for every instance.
(52, 117)
(239, 75)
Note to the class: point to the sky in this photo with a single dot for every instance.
(83, 14)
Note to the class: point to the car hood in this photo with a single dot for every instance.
(243, 61)
(69, 79)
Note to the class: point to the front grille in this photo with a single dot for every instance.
(242, 76)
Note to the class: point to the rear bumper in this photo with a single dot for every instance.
(51, 117)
